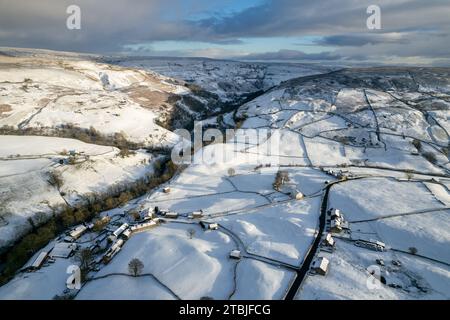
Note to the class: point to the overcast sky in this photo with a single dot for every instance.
(412, 31)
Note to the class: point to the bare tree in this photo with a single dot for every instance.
(55, 179)
(190, 232)
(3, 208)
(40, 218)
(417, 144)
(409, 175)
(281, 178)
(430, 157)
(135, 267)
(231, 172)
(84, 258)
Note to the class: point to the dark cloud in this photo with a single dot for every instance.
(413, 48)
(105, 25)
(293, 55)
(314, 17)
(362, 39)
(410, 28)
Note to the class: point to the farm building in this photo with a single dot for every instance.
(118, 232)
(113, 250)
(63, 250)
(77, 232)
(39, 261)
(68, 239)
(341, 175)
(328, 240)
(371, 245)
(336, 213)
(126, 234)
(149, 213)
(213, 226)
(196, 214)
(336, 226)
(235, 254)
(143, 226)
(320, 265)
(208, 225)
(171, 215)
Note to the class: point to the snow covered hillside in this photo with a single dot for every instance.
(44, 95)
(29, 165)
(224, 81)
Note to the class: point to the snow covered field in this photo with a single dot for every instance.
(26, 164)
(348, 277)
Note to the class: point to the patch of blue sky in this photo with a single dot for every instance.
(253, 45)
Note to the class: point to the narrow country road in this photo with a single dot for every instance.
(301, 273)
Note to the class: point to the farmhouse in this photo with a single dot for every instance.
(328, 241)
(337, 222)
(336, 213)
(320, 266)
